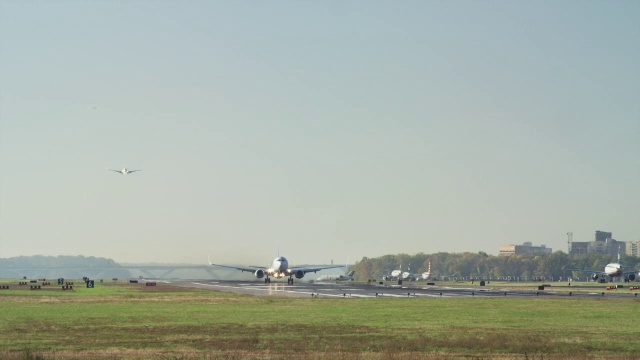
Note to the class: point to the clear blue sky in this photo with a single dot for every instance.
(334, 129)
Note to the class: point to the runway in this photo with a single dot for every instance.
(388, 290)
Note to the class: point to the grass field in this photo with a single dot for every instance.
(116, 321)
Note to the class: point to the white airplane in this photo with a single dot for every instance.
(612, 270)
(278, 269)
(407, 275)
(348, 277)
(426, 274)
(396, 274)
(124, 171)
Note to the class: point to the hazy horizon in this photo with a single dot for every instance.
(328, 130)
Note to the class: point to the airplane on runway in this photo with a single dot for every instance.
(124, 171)
(348, 277)
(612, 270)
(279, 269)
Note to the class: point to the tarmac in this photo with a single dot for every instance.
(350, 289)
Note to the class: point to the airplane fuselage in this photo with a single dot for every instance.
(279, 268)
(614, 270)
(124, 171)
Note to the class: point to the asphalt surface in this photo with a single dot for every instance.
(392, 290)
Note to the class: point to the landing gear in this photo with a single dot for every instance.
(267, 281)
(290, 281)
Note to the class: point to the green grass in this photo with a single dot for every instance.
(134, 321)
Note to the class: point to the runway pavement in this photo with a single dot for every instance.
(392, 290)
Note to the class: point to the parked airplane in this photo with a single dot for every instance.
(124, 171)
(426, 274)
(407, 275)
(400, 275)
(348, 277)
(612, 270)
(395, 275)
(279, 269)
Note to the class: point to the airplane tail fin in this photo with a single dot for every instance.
(351, 273)
(426, 274)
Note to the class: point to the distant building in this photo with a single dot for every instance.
(603, 235)
(525, 248)
(579, 247)
(633, 248)
(603, 244)
(597, 247)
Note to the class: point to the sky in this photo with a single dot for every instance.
(322, 130)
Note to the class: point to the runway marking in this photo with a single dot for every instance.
(394, 295)
(287, 289)
(434, 295)
(344, 293)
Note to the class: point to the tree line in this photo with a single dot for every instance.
(488, 267)
(41, 261)
(64, 266)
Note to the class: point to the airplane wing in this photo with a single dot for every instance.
(118, 171)
(600, 273)
(308, 270)
(243, 269)
(132, 171)
(587, 271)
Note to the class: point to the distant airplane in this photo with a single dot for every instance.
(612, 270)
(396, 274)
(279, 269)
(124, 171)
(426, 274)
(348, 277)
(407, 275)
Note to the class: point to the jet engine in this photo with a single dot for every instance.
(259, 273)
(299, 274)
(632, 277)
(594, 276)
